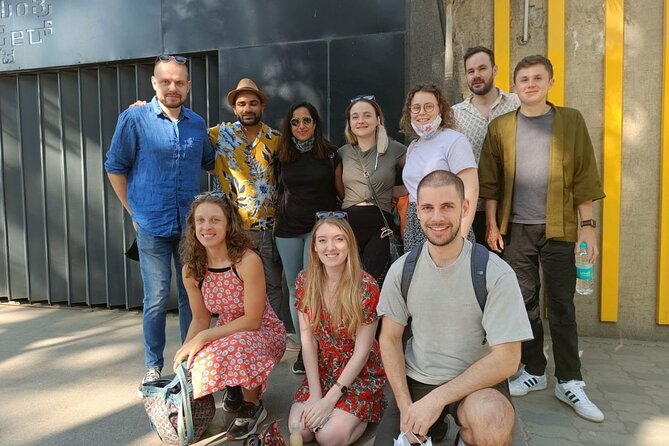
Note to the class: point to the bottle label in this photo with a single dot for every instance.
(584, 272)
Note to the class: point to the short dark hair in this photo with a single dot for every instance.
(479, 49)
(439, 178)
(537, 59)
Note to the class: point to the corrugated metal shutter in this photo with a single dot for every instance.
(63, 232)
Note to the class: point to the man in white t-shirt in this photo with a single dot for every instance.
(458, 358)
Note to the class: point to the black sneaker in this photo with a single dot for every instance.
(298, 367)
(438, 431)
(152, 374)
(233, 399)
(247, 421)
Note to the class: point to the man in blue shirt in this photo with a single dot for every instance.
(153, 165)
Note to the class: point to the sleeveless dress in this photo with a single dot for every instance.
(364, 397)
(244, 358)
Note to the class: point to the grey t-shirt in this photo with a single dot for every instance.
(533, 146)
(447, 324)
(381, 170)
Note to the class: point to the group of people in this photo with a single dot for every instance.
(442, 348)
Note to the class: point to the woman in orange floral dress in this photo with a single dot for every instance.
(224, 275)
(336, 300)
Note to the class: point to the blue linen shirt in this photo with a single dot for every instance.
(162, 160)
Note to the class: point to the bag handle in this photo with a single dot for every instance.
(387, 231)
(185, 418)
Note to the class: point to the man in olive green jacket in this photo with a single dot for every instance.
(538, 176)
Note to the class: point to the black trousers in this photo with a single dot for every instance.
(367, 223)
(526, 249)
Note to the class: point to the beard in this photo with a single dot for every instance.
(482, 90)
(443, 241)
(172, 101)
(249, 119)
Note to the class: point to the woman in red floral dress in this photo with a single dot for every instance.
(343, 389)
(224, 275)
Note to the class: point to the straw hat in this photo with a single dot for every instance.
(246, 85)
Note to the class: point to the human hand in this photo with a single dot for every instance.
(316, 413)
(136, 104)
(420, 416)
(587, 235)
(189, 350)
(494, 238)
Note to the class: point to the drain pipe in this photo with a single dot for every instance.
(526, 24)
(447, 32)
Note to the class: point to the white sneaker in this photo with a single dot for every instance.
(572, 393)
(526, 383)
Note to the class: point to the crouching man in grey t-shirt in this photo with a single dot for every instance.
(458, 358)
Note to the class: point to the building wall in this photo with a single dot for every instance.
(584, 53)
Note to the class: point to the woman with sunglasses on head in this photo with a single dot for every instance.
(428, 115)
(370, 160)
(308, 163)
(336, 299)
(224, 275)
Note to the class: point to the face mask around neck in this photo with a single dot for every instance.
(427, 131)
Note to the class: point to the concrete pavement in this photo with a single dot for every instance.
(70, 376)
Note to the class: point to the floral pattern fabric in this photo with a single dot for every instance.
(364, 397)
(244, 358)
(246, 172)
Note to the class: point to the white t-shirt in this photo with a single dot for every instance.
(447, 150)
(446, 320)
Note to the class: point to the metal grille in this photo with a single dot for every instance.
(63, 232)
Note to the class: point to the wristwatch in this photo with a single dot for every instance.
(342, 387)
(590, 222)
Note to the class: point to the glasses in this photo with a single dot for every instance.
(366, 97)
(167, 57)
(204, 195)
(322, 215)
(415, 108)
(295, 122)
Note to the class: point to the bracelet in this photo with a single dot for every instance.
(342, 387)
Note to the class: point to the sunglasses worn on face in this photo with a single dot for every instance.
(366, 97)
(167, 57)
(415, 109)
(295, 122)
(322, 215)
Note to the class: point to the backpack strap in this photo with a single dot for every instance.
(409, 267)
(480, 257)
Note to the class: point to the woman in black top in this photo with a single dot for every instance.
(309, 165)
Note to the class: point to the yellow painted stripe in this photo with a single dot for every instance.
(663, 260)
(612, 157)
(555, 47)
(502, 43)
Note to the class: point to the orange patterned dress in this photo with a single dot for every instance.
(245, 358)
(364, 397)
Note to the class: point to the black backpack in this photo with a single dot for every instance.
(479, 264)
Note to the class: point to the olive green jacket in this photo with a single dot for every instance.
(574, 177)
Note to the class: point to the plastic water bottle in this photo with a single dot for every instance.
(584, 276)
(295, 435)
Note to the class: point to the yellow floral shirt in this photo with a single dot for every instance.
(246, 172)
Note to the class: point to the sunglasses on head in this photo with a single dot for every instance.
(295, 122)
(204, 195)
(366, 97)
(322, 215)
(167, 57)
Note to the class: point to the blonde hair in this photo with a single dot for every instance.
(348, 132)
(347, 310)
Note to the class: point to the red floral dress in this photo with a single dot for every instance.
(244, 358)
(364, 397)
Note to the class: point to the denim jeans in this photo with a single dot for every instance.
(155, 263)
(272, 269)
(294, 253)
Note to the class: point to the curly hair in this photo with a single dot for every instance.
(347, 309)
(194, 255)
(287, 152)
(447, 118)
